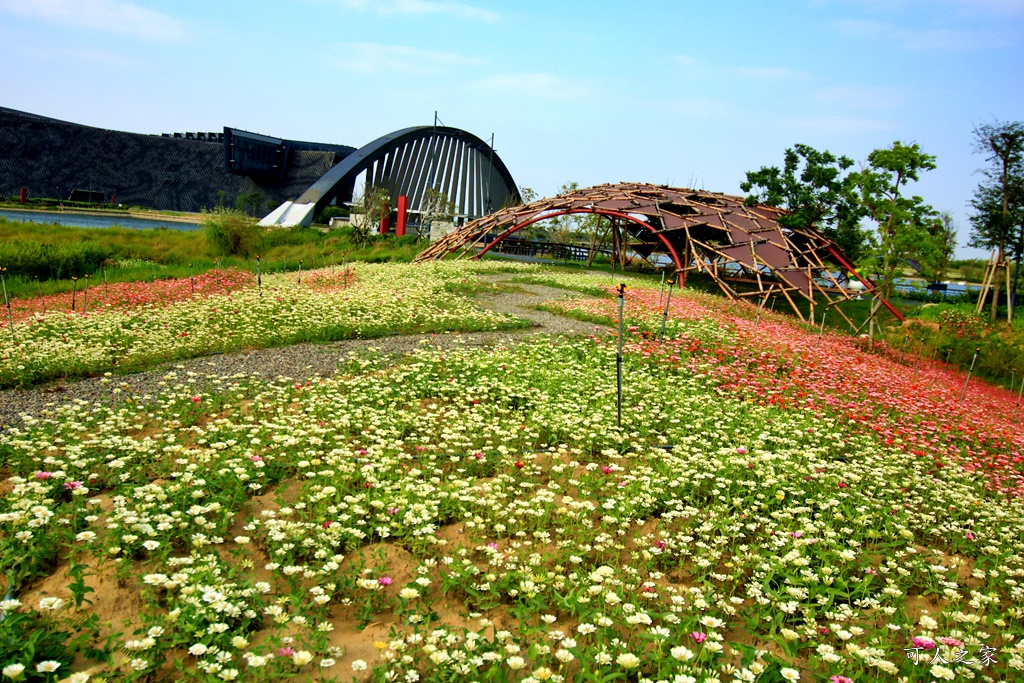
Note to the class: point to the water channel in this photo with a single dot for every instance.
(90, 220)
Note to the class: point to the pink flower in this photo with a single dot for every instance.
(843, 484)
(256, 458)
(43, 476)
(285, 652)
(951, 642)
(660, 544)
(606, 469)
(924, 643)
(197, 399)
(326, 524)
(520, 464)
(392, 511)
(741, 450)
(492, 545)
(385, 581)
(72, 485)
(478, 456)
(969, 536)
(840, 679)
(699, 636)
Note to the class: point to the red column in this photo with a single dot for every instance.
(385, 218)
(403, 205)
(23, 195)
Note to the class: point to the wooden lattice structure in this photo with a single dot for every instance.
(743, 249)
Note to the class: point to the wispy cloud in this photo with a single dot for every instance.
(535, 86)
(116, 16)
(695, 68)
(379, 57)
(414, 7)
(911, 39)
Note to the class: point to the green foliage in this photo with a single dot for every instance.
(818, 192)
(329, 212)
(252, 203)
(370, 207)
(232, 233)
(29, 637)
(904, 223)
(53, 261)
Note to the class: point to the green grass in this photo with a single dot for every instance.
(145, 255)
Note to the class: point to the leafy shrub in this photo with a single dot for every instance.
(232, 233)
(54, 261)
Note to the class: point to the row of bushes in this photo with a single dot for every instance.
(54, 261)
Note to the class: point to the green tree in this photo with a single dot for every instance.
(817, 190)
(436, 207)
(998, 202)
(251, 203)
(904, 223)
(943, 231)
(367, 210)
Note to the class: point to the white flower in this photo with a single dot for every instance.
(302, 657)
(13, 670)
(682, 653)
(940, 671)
(198, 650)
(409, 593)
(515, 663)
(359, 665)
(79, 677)
(52, 604)
(628, 660)
(239, 642)
(228, 674)
(790, 674)
(7, 606)
(47, 666)
(151, 545)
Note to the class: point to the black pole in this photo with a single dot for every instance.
(618, 357)
(259, 277)
(668, 302)
(969, 373)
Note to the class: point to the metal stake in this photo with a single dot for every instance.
(618, 358)
(906, 340)
(191, 279)
(259, 276)
(821, 332)
(969, 372)
(74, 292)
(664, 316)
(7, 301)
(1019, 393)
(300, 272)
(661, 294)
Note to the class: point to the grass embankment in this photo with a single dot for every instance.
(42, 259)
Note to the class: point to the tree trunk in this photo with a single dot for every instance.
(1000, 263)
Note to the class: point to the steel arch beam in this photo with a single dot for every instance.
(601, 212)
(427, 146)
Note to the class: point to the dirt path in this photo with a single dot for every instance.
(299, 362)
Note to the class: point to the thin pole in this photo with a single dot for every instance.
(191, 280)
(906, 340)
(821, 332)
(74, 292)
(104, 277)
(618, 358)
(85, 296)
(7, 301)
(661, 294)
(969, 372)
(1019, 394)
(664, 315)
(259, 276)
(300, 272)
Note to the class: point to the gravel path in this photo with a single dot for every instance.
(298, 362)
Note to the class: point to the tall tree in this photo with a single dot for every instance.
(998, 202)
(943, 231)
(817, 190)
(904, 223)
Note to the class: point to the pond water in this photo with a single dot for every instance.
(89, 220)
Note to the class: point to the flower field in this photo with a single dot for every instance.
(774, 507)
(134, 325)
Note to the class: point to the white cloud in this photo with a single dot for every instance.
(379, 57)
(696, 68)
(116, 16)
(414, 7)
(534, 86)
(922, 39)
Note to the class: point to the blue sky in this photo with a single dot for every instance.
(686, 93)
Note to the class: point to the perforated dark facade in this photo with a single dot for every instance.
(54, 158)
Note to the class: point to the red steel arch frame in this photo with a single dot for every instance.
(744, 248)
(601, 212)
